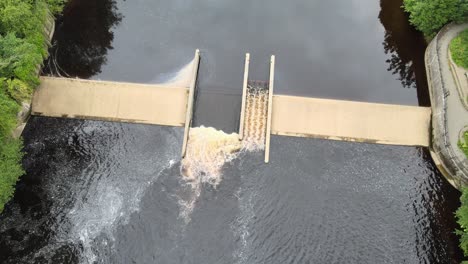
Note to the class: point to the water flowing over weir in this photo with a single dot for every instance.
(208, 149)
(253, 137)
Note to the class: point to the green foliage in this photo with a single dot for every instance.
(23, 46)
(463, 144)
(8, 111)
(13, 17)
(429, 16)
(459, 49)
(19, 59)
(462, 219)
(22, 40)
(10, 149)
(10, 168)
(17, 89)
(462, 212)
(56, 6)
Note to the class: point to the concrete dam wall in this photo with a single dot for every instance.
(111, 101)
(351, 121)
(291, 116)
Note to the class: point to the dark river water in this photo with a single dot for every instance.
(101, 192)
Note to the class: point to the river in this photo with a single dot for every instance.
(101, 192)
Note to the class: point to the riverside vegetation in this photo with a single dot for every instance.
(462, 212)
(429, 16)
(459, 49)
(23, 47)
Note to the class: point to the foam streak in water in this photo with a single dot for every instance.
(115, 190)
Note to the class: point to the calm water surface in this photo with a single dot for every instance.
(99, 192)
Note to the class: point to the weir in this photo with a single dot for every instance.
(262, 112)
(111, 101)
(351, 121)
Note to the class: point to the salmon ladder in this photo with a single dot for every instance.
(256, 110)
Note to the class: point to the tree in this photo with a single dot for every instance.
(431, 15)
(462, 219)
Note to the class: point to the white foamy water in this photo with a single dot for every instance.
(256, 109)
(240, 227)
(208, 149)
(180, 78)
(115, 189)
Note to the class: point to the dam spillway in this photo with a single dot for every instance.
(291, 115)
(351, 121)
(110, 101)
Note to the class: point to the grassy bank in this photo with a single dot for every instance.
(459, 49)
(463, 144)
(23, 47)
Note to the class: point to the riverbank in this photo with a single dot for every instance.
(449, 114)
(25, 110)
(25, 35)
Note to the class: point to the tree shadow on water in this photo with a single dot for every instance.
(406, 47)
(82, 38)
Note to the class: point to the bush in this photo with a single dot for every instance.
(10, 149)
(459, 49)
(19, 59)
(56, 6)
(463, 144)
(8, 110)
(462, 219)
(10, 168)
(429, 16)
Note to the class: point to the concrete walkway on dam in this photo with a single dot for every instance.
(450, 117)
(111, 101)
(457, 115)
